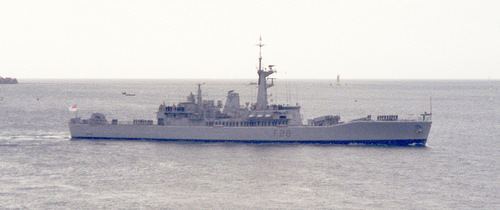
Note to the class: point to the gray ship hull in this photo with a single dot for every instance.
(399, 133)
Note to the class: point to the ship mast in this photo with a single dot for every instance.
(260, 45)
(263, 74)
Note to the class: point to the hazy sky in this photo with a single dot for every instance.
(382, 39)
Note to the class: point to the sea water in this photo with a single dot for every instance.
(41, 167)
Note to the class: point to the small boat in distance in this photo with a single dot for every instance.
(338, 81)
(128, 94)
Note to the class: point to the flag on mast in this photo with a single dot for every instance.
(73, 108)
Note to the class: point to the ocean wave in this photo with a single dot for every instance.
(34, 136)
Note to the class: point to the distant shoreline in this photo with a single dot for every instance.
(8, 80)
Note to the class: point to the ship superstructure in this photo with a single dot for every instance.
(197, 119)
(198, 112)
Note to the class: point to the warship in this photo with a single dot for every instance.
(199, 120)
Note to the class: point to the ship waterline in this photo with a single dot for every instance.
(368, 132)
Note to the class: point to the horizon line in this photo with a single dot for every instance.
(94, 78)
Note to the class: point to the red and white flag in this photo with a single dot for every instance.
(73, 108)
